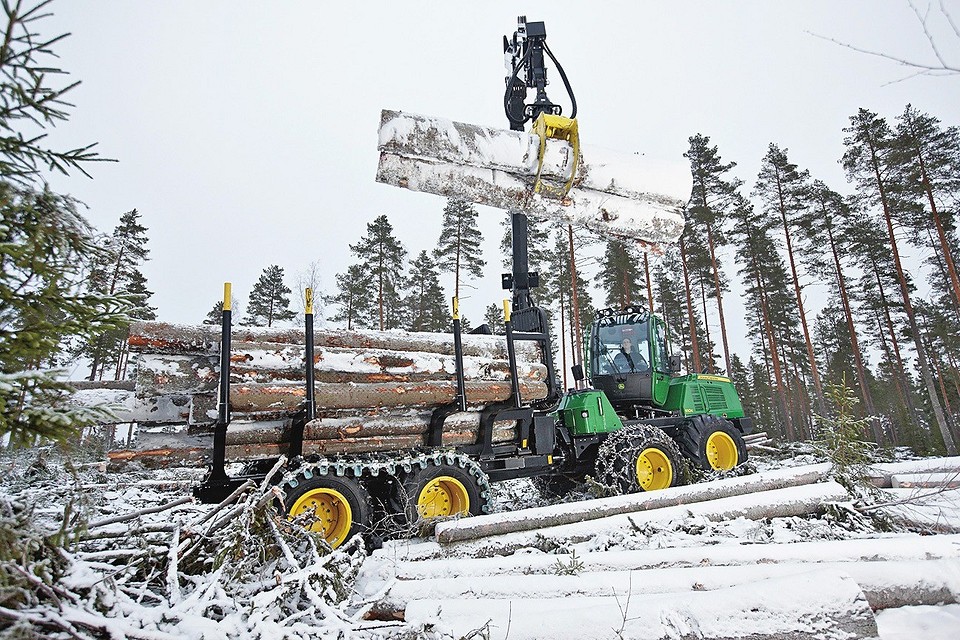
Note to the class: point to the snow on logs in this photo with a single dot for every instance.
(613, 193)
(353, 370)
(560, 514)
(792, 607)
(775, 503)
(374, 390)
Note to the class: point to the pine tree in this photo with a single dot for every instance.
(353, 299)
(117, 272)
(926, 158)
(866, 162)
(620, 275)
(425, 300)
(458, 249)
(382, 258)
(711, 200)
(765, 281)
(46, 246)
(785, 191)
(493, 318)
(269, 300)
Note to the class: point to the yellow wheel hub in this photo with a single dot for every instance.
(654, 470)
(443, 496)
(331, 512)
(721, 451)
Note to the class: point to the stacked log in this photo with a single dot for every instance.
(374, 390)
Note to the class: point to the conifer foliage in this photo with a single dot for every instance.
(46, 247)
(381, 256)
(425, 308)
(116, 271)
(269, 300)
(458, 249)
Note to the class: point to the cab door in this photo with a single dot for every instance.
(660, 361)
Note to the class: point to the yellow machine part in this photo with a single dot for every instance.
(558, 128)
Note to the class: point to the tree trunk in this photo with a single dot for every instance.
(574, 297)
(706, 326)
(774, 352)
(690, 317)
(908, 308)
(851, 327)
(646, 269)
(716, 284)
(814, 373)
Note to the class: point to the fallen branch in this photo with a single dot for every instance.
(136, 514)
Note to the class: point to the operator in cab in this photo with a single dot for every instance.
(629, 359)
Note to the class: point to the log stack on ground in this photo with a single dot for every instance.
(375, 390)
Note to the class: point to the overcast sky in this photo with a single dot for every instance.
(246, 132)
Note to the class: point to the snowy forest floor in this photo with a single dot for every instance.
(202, 571)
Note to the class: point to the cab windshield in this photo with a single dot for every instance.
(621, 345)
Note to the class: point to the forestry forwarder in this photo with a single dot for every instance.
(630, 432)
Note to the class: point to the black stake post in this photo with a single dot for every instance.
(218, 472)
(309, 412)
(511, 355)
(308, 330)
(458, 356)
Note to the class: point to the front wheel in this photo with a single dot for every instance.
(639, 458)
(712, 443)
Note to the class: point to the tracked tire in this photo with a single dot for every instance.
(711, 443)
(639, 458)
(442, 486)
(336, 507)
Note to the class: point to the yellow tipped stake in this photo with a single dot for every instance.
(310, 400)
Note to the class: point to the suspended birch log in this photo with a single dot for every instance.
(613, 194)
(168, 374)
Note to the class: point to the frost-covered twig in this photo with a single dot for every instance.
(136, 514)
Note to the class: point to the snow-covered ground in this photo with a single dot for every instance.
(188, 571)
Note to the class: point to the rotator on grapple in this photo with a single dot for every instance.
(631, 429)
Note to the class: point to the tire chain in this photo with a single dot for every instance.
(373, 465)
(614, 455)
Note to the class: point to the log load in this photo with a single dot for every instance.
(178, 370)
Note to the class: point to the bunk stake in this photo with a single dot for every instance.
(511, 355)
(217, 471)
(458, 356)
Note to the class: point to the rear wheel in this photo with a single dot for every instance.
(712, 443)
(439, 489)
(639, 458)
(336, 507)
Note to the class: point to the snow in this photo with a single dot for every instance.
(911, 623)
(797, 576)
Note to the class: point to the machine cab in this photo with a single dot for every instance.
(627, 358)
